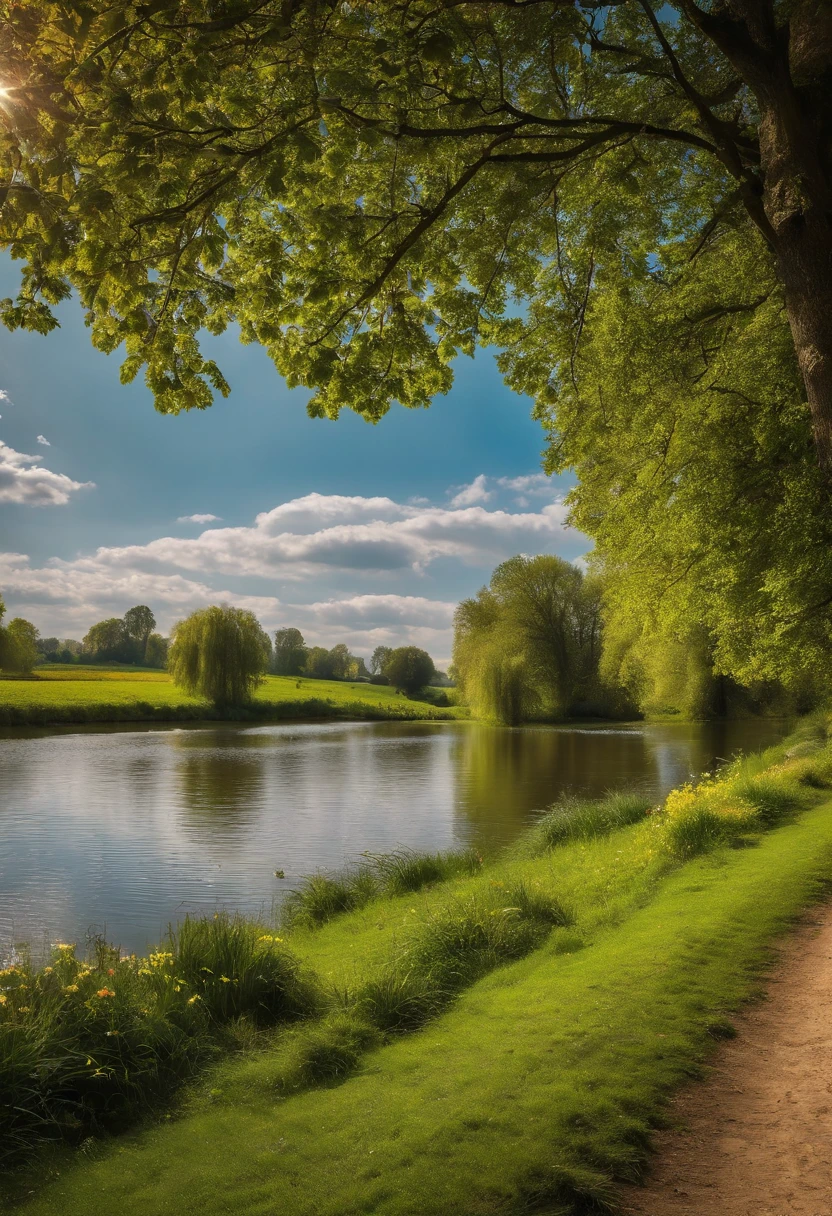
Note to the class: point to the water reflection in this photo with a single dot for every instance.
(123, 830)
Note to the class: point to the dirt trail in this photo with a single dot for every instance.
(755, 1138)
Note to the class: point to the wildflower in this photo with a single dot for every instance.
(145, 971)
(64, 945)
(3, 999)
(224, 979)
(71, 988)
(104, 992)
(193, 999)
(8, 971)
(112, 1034)
(110, 971)
(23, 1009)
(47, 971)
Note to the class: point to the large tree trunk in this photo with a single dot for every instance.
(796, 159)
(789, 70)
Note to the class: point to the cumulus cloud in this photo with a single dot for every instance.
(22, 481)
(43, 440)
(198, 519)
(323, 540)
(318, 533)
(473, 493)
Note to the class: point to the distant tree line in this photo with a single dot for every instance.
(407, 667)
(222, 654)
(128, 639)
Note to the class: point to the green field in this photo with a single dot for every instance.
(539, 1086)
(100, 694)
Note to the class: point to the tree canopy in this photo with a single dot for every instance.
(409, 668)
(290, 652)
(219, 653)
(18, 644)
(366, 188)
(529, 644)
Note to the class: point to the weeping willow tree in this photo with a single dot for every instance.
(529, 644)
(219, 653)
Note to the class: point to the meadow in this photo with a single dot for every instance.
(74, 694)
(482, 1035)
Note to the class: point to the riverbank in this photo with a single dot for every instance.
(64, 695)
(563, 990)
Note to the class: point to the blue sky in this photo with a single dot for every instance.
(352, 532)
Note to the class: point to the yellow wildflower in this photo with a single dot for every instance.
(71, 988)
(3, 999)
(192, 999)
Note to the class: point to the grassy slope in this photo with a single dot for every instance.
(540, 1083)
(98, 694)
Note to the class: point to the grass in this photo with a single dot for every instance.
(494, 1042)
(321, 897)
(75, 694)
(89, 1045)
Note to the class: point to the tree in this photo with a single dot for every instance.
(379, 657)
(139, 623)
(289, 652)
(529, 644)
(363, 188)
(409, 669)
(319, 663)
(219, 653)
(156, 651)
(20, 646)
(109, 641)
(341, 661)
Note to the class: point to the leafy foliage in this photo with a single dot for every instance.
(219, 653)
(409, 668)
(529, 644)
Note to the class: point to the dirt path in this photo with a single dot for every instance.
(755, 1139)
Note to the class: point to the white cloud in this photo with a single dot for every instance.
(198, 519)
(4, 396)
(22, 482)
(318, 533)
(324, 540)
(43, 440)
(474, 493)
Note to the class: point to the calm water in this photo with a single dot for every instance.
(122, 831)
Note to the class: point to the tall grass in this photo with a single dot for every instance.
(88, 1045)
(576, 818)
(321, 896)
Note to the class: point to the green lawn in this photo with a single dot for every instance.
(539, 1087)
(99, 694)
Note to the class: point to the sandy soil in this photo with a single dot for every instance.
(755, 1138)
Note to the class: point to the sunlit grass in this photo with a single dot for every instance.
(97, 694)
(501, 1039)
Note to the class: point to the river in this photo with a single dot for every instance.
(120, 831)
